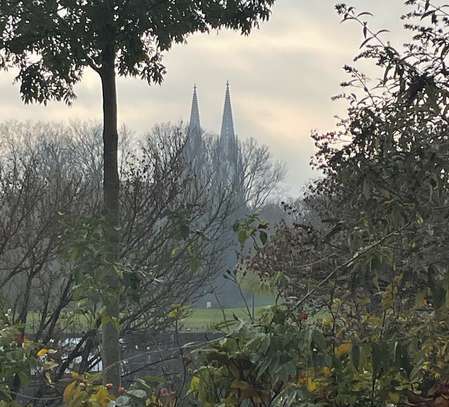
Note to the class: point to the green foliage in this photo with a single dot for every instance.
(86, 253)
(68, 36)
(254, 228)
(17, 357)
(147, 392)
(333, 358)
(258, 363)
(87, 390)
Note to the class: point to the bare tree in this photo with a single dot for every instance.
(261, 175)
(175, 229)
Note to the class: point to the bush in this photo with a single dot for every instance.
(17, 358)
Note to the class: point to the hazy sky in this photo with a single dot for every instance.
(282, 78)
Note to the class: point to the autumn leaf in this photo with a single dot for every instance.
(102, 397)
(312, 385)
(42, 352)
(69, 392)
(195, 384)
(343, 349)
(327, 371)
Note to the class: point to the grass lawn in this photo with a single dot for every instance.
(205, 319)
(200, 319)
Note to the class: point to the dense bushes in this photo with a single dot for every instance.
(346, 356)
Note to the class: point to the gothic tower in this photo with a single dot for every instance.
(194, 132)
(195, 124)
(228, 140)
(229, 149)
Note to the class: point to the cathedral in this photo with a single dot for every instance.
(228, 155)
(228, 139)
(228, 163)
(227, 160)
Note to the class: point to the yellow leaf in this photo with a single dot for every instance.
(327, 371)
(102, 396)
(42, 352)
(69, 391)
(27, 344)
(343, 349)
(311, 385)
(195, 384)
(327, 321)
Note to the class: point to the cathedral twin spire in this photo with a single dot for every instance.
(228, 159)
(227, 135)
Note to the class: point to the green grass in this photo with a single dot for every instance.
(200, 319)
(205, 319)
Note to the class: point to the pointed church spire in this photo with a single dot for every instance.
(195, 124)
(231, 165)
(227, 128)
(194, 144)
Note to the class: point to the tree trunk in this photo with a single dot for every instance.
(111, 185)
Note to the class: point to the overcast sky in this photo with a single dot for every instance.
(282, 78)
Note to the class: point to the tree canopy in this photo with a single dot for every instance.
(51, 42)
